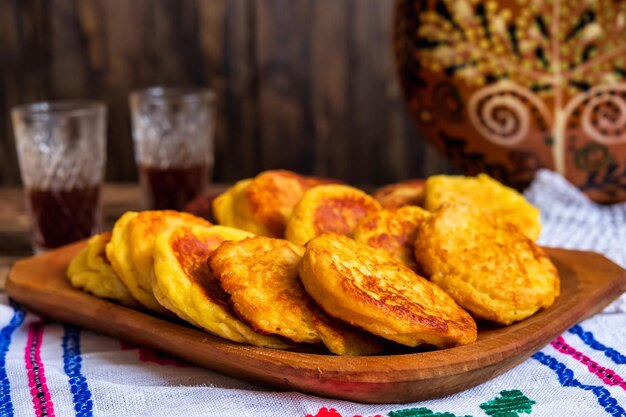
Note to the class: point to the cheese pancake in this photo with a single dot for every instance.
(490, 268)
(131, 245)
(328, 208)
(184, 285)
(271, 197)
(261, 276)
(96, 253)
(368, 289)
(225, 206)
(78, 263)
(392, 231)
(506, 204)
(405, 193)
(262, 205)
(91, 271)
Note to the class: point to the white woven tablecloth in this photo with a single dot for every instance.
(51, 369)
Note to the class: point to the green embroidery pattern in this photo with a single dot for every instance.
(420, 412)
(509, 404)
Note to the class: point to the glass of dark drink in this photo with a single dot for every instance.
(62, 156)
(173, 137)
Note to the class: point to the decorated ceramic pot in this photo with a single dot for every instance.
(508, 86)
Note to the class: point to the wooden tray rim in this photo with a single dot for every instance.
(406, 367)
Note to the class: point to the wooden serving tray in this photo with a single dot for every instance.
(588, 283)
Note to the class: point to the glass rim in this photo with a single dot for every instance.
(71, 108)
(160, 94)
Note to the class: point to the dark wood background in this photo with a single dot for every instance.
(307, 85)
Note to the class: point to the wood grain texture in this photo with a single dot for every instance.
(589, 282)
(307, 85)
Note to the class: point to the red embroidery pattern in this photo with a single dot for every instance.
(608, 376)
(151, 356)
(42, 402)
(325, 412)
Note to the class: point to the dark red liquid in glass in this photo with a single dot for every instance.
(172, 188)
(63, 216)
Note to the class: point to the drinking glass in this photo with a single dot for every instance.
(62, 155)
(173, 138)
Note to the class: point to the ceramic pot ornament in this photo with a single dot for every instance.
(507, 87)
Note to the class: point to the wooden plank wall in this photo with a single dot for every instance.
(307, 85)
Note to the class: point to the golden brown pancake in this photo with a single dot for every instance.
(368, 289)
(131, 245)
(96, 253)
(272, 195)
(405, 193)
(392, 231)
(91, 271)
(225, 206)
(261, 276)
(78, 263)
(184, 285)
(328, 208)
(506, 204)
(490, 268)
(262, 205)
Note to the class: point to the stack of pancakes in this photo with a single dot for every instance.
(303, 260)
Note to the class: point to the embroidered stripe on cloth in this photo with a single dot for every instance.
(49, 369)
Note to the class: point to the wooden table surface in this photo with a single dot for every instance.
(14, 224)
